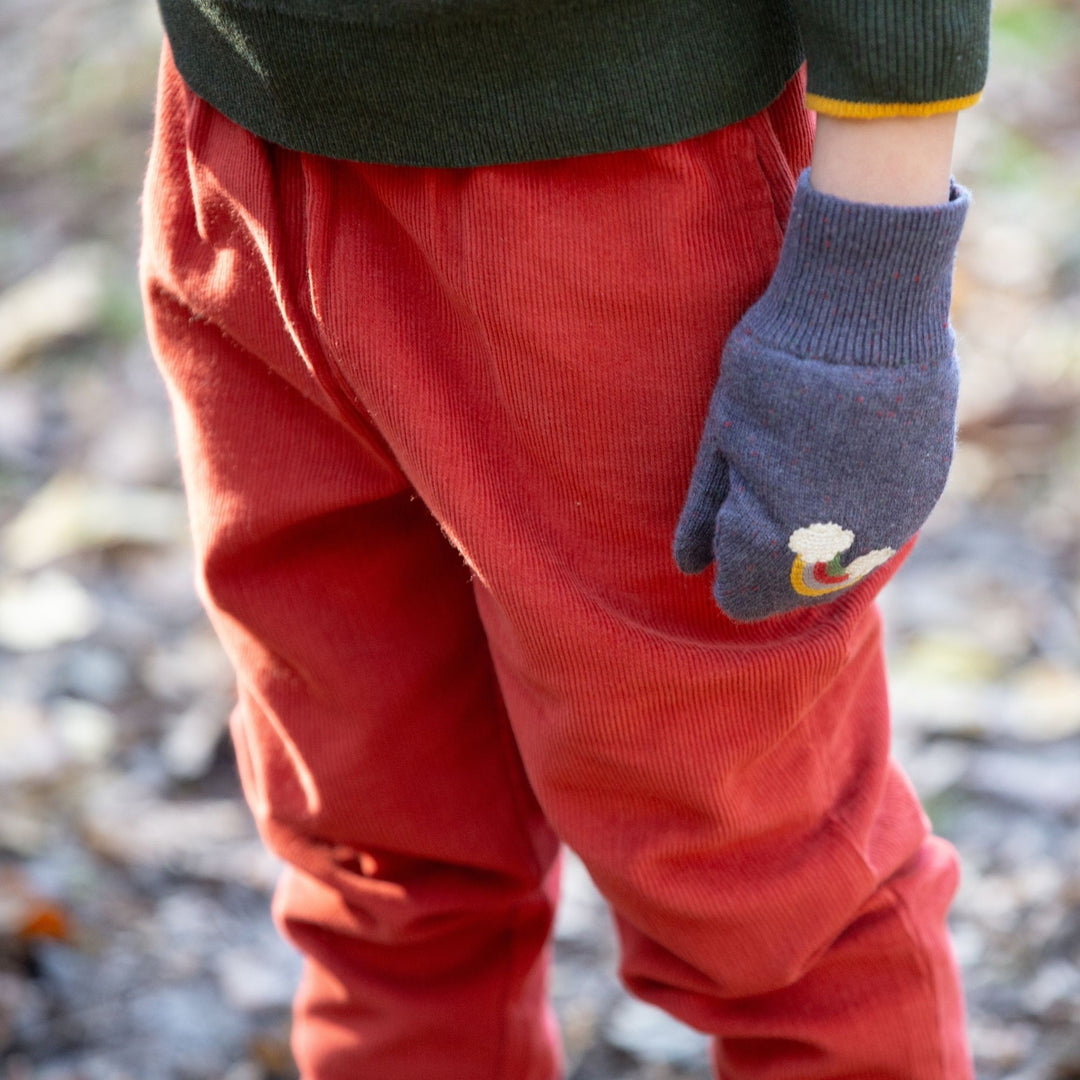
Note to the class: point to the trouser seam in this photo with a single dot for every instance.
(515, 776)
(910, 926)
(927, 970)
(901, 905)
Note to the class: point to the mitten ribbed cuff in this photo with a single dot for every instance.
(862, 283)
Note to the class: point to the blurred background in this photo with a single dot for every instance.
(135, 937)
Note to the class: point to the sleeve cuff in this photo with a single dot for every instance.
(894, 54)
(862, 283)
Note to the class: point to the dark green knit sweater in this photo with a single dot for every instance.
(478, 82)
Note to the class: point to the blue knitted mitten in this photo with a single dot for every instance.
(832, 425)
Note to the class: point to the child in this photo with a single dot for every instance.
(440, 293)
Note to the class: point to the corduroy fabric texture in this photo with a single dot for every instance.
(461, 83)
(832, 425)
(435, 428)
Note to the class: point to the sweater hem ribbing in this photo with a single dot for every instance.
(563, 80)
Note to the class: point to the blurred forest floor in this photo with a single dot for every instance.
(135, 939)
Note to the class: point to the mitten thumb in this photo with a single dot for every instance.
(693, 547)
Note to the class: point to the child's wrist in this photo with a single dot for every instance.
(893, 160)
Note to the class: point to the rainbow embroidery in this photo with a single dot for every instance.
(817, 570)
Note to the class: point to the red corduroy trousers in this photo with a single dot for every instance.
(435, 428)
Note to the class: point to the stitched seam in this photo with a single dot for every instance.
(906, 918)
(928, 972)
(751, 125)
(908, 922)
(900, 904)
(515, 773)
(502, 1047)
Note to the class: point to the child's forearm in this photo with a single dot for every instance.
(899, 160)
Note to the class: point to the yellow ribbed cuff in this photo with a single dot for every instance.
(866, 110)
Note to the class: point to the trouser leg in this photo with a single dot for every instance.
(370, 734)
(729, 787)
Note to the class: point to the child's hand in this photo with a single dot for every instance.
(831, 428)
